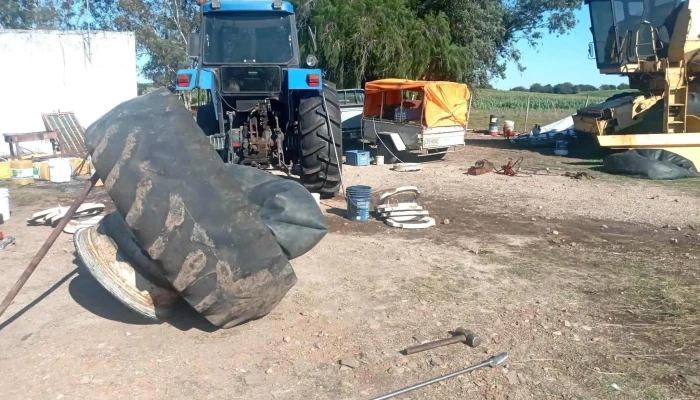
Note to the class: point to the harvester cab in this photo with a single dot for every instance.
(628, 31)
(262, 108)
(655, 44)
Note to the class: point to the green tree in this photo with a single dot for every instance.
(623, 86)
(536, 88)
(358, 38)
(38, 14)
(587, 88)
(565, 88)
(519, 89)
(608, 87)
(492, 29)
(161, 28)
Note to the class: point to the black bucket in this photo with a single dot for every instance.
(493, 124)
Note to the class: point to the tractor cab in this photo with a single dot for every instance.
(248, 45)
(626, 32)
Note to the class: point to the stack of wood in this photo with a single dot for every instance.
(85, 216)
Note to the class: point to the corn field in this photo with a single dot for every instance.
(527, 109)
(485, 99)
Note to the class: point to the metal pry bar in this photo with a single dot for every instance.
(491, 362)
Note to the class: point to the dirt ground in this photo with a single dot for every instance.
(591, 286)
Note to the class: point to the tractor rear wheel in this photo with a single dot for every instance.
(321, 144)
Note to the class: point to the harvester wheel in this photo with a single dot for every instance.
(321, 161)
(206, 119)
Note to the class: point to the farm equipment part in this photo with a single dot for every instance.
(656, 44)
(414, 130)
(491, 362)
(263, 110)
(351, 104)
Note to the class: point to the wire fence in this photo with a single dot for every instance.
(525, 110)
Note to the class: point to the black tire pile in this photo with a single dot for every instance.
(210, 227)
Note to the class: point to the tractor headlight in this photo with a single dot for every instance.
(311, 60)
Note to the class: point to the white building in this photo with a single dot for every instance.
(46, 71)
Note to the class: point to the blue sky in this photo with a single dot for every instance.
(559, 59)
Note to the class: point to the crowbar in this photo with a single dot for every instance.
(491, 362)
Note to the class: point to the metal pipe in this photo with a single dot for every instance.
(491, 362)
(47, 245)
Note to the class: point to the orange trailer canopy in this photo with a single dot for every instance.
(445, 102)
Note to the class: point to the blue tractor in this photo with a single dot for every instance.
(264, 110)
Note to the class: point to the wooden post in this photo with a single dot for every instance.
(527, 112)
(588, 96)
(469, 110)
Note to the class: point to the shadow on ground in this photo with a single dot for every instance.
(87, 292)
(38, 300)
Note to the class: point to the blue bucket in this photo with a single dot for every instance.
(359, 198)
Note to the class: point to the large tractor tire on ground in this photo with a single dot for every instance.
(186, 212)
(321, 145)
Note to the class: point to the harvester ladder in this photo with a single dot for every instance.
(676, 97)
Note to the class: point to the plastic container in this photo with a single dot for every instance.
(493, 123)
(44, 172)
(509, 129)
(80, 167)
(359, 198)
(357, 157)
(561, 147)
(22, 171)
(60, 170)
(5, 203)
(380, 160)
(5, 170)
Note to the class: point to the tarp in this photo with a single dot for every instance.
(445, 102)
(650, 163)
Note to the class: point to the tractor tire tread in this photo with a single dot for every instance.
(320, 167)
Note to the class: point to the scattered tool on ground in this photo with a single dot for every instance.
(53, 215)
(6, 243)
(47, 245)
(579, 175)
(491, 362)
(460, 335)
(481, 167)
(509, 168)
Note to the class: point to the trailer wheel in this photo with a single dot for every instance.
(206, 119)
(320, 161)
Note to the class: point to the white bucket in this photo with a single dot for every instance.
(380, 160)
(5, 203)
(60, 170)
(317, 197)
(509, 125)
